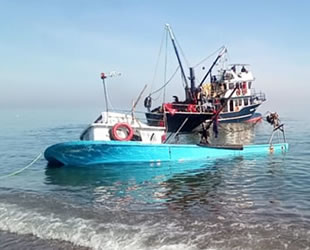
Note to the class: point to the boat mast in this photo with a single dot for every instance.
(187, 90)
(192, 79)
(103, 77)
(223, 51)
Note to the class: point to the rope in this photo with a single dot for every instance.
(178, 131)
(156, 98)
(22, 169)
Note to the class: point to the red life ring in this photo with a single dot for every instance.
(122, 126)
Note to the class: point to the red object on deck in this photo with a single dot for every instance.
(169, 108)
(191, 108)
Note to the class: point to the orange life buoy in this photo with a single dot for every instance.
(124, 127)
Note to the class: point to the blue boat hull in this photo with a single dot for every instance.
(81, 153)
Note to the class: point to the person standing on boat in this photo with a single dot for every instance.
(244, 70)
(233, 68)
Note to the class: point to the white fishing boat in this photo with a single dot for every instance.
(202, 100)
(122, 127)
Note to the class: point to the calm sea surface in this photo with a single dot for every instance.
(239, 203)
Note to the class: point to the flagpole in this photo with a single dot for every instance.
(103, 77)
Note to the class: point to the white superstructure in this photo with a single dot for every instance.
(118, 126)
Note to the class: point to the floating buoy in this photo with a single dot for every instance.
(125, 129)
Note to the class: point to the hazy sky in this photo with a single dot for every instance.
(52, 52)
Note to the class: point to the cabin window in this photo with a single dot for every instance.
(250, 84)
(237, 85)
(246, 102)
(240, 102)
(231, 85)
(224, 86)
(231, 105)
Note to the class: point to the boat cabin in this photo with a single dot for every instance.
(122, 127)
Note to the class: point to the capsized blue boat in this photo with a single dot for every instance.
(81, 153)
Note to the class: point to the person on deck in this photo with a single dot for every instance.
(176, 99)
(233, 68)
(244, 70)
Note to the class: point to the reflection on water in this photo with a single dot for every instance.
(174, 185)
(236, 133)
(147, 183)
(186, 191)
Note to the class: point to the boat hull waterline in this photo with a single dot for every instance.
(80, 153)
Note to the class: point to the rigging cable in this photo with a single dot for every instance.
(109, 101)
(186, 61)
(158, 58)
(203, 60)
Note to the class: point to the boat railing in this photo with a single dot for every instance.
(259, 96)
(138, 115)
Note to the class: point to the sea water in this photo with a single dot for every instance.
(237, 203)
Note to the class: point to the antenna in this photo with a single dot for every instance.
(103, 77)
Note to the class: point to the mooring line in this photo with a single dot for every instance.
(22, 169)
